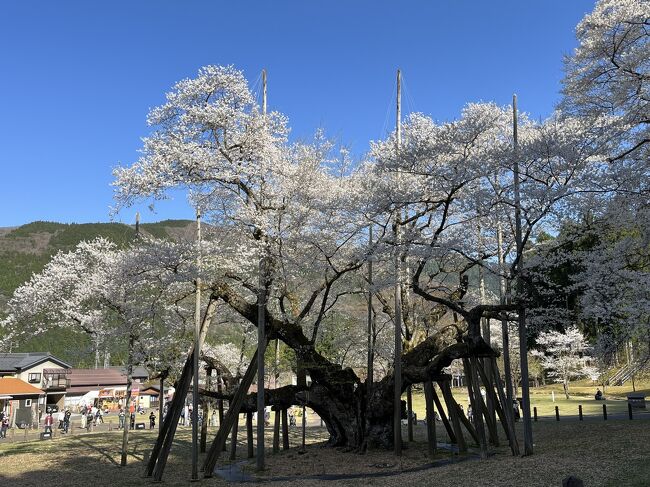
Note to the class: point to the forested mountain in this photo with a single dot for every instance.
(26, 249)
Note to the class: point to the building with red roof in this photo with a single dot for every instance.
(19, 401)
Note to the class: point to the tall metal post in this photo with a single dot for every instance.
(197, 352)
(261, 318)
(397, 404)
(523, 347)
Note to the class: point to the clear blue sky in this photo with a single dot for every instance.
(77, 78)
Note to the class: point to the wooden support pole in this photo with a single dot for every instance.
(197, 350)
(276, 432)
(453, 415)
(443, 417)
(489, 398)
(490, 420)
(370, 324)
(233, 439)
(220, 401)
(231, 416)
(486, 377)
(397, 365)
(249, 434)
(507, 412)
(161, 400)
(160, 451)
(467, 423)
(409, 412)
(521, 309)
(472, 389)
(261, 323)
(285, 430)
(431, 419)
(304, 426)
(206, 412)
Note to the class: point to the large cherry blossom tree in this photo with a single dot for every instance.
(133, 294)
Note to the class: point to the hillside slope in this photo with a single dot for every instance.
(26, 249)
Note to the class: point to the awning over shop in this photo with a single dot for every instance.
(119, 391)
(89, 396)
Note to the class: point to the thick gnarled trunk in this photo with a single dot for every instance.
(337, 395)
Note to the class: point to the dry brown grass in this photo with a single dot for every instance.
(607, 454)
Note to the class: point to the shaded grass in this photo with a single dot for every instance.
(602, 454)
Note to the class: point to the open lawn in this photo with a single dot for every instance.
(581, 393)
(607, 454)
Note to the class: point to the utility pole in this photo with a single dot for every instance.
(523, 347)
(197, 352)
(261, 338)
(397, 405)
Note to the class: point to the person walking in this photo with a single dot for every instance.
(267, 417)
(61, 417)
(49, 420)
(152, 421)
(120, 416)
(89, 419)
(66, 420)
(4, 426)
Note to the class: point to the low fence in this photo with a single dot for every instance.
(30, 434)
(632, 413)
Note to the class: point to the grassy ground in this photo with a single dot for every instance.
(603, 454)
(581, 393)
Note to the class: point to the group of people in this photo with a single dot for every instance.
(63, 417)
(90, 416)
(186, 416)
(121, 416)
(64, 420)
